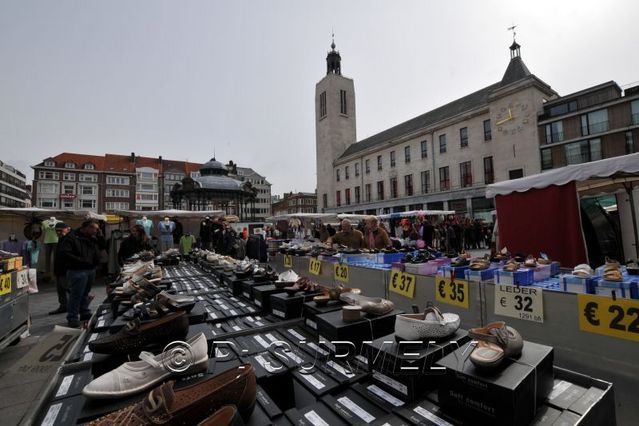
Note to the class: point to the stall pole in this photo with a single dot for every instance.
(629, 187)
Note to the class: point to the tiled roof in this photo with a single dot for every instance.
(516, 71)
(118, 163)
(79, 159)
(451, 109)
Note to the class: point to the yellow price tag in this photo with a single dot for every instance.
(603, 315)
(314, 266)
(341, 272)
(288, 261)
(11, 264)
(402, 283)
(18, 262)
(452, 291)
(5, 284)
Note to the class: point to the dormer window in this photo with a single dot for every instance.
(49, 163)
(69, 165)
(89, 166)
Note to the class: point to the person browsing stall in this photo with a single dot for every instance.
(347, 236)
(376, 237)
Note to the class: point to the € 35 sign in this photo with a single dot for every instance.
(402, 283)
(604, 315)
(452, 291)
(314, 266)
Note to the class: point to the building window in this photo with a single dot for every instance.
(147, 176)
(425, 176)
(338, 198)
(116, 205)
(117, 180)
(546, 159)
(87, 204)
(148, 187)
(89, 166)
(146, 197)
(407, 154)
(322, 108)
(408, 185)
(634, 108)
(424, 147)
(463, 137)
(367, 192)
(88, 178)
(337, 174)
(594, 122)
(392, 158)
(564, 108)
(347, 195)
(357, 195)
(554, 132)
(325, 200)
(117, 193)
(444, 179)
(488, 134)
(630, 143)
(68, 176)
(442, 143)
(356, 169)
(49, 175)
(489, 173)
(393, 187)
(583, 152)
(87, 190)
(342, 102)
(48, 188)
(516, 174)
(380, 190)
(69, 165)
(465, 174)
(68, 189)
(68, 204)
(346, 173)
(48, 202)
(367, 165)
(49, 163)
(379, 162)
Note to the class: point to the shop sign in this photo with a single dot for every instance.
(452, 291)
(521, 302)
(604, 315)
(288, 261)
(22, 278)
(314, 266)
(402, 283)
(5, 284)
(341, 272)
(67, 196)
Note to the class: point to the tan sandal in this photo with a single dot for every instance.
(511, 266)
(530, 261)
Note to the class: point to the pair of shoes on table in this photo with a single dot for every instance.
(357, 303)
(333, 293)
(302, 284)
(428, 325)
(204, 403)
(163, 303)
(612, 270)
(495, 342)
(480, 263)
(583, 270)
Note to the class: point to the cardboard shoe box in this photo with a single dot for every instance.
(353, 407)
(316, 414)
(426, 413)
(505, 395)
(262, 296)
(406, 369)
(71, 383)
(310, 311)
(287, 307)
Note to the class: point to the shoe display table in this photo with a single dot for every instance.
(304, 377)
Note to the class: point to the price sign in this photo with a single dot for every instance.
(314, 266)
(18, 262)
(11, 264)
(288, 261)
(526, 303)
(22, 278)
(5, 284)
(341, 272)
(402, 283)
(452, 291)
(603, 315)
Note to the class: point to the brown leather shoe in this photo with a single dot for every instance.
(136, 335)
(225, 416)
(191, 404)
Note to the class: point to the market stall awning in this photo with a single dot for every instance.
(609, 167)
(304, 216)
(416, 213)
(170, 213)
(59, 213)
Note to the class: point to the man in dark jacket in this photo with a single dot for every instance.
(81, 254)
(60, 269)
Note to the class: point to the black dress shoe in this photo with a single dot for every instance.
(60, 310)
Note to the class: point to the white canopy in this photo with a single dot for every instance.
(59, 213)
(414, 213)
(170, 213)
(308, 216)
(577, 172)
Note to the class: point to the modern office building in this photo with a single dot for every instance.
(13, 187)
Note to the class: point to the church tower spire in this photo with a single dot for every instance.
(333, 60)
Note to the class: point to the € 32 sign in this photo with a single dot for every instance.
(452, 291)
(402, 283)
(341, 272)
(314, 266)
(288, 261)
(604, 315)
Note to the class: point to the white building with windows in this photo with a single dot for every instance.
(442, 159)
(147, 191)
(263, 187)
(13, 187)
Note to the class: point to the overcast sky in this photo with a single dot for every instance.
(182, 78)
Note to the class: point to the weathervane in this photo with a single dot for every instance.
(512, 28)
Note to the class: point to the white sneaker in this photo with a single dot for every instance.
(431, 324)
(136, 376)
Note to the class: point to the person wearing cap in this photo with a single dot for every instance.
(59, 269)
(347, 236)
